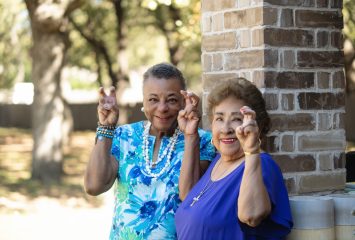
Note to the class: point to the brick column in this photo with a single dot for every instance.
(292, 50)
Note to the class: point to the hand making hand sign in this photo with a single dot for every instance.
(189, 117)
(107, 109)
(248, 132)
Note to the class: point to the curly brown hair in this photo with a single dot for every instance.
(242, 89)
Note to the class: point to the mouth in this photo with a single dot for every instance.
(228, 140)
(163, 119)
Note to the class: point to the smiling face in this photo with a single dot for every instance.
(162, 102)
(226, 117)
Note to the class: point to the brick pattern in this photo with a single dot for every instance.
(292, 50)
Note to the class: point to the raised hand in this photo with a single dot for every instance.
(248, 132)
(107, 109)
(189, 117)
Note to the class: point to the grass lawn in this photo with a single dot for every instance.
(15, 170)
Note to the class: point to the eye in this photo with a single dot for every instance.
(218, 119)
(152, 100)
(172, 100)
(237, 119)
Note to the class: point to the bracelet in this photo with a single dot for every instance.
(258, 151)
(104, 132)
(109, 127)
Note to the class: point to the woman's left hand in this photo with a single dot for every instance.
(189, 117)
(248, 132)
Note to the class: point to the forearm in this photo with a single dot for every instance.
(101, 170)
(190, 168)
(253, 202)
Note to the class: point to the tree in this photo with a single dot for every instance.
(349, 43)
(50, 112)
(104, 24)
(14, 43)
(178, 21)
(90, 24)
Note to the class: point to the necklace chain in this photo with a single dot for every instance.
(208, 185)
(167, 152)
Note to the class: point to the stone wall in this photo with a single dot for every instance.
(292, 50)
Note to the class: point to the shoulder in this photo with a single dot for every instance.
(130, 128)
(267, 159)
(204, 133)
(268, 164)
(127, 136)
(207, 150)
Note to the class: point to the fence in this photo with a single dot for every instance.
(84, 115)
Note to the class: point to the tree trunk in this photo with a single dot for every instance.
(122, 56)
(51, 119)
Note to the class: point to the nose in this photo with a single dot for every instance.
(163, 106)
(227, 128)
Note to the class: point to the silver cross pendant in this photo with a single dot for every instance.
(195, 199)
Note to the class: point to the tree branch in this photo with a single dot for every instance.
(100, 48)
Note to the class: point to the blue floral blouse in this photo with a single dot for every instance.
(145, 206)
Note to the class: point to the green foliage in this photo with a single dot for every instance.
(146, 43)
(14, 43)
(349, 19)
(98, 20)
(146, 47)
(79, 84)
(183, 29)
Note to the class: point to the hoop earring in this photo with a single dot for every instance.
(212, 141)
(142, 109)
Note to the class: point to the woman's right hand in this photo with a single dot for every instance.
(248, 132)
(107, 109)
(189, 118)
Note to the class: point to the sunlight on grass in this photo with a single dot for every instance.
(15, 169)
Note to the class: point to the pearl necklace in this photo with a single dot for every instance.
(166, 153)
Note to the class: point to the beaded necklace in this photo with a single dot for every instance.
(167, 152)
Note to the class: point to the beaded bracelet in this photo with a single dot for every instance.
(110, 127)
(104, 131)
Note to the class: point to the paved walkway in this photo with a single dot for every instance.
(49, 219)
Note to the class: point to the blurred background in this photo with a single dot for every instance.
(53, 57)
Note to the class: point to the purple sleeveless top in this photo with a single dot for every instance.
(214, 216)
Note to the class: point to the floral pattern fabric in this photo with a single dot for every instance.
(145, 206)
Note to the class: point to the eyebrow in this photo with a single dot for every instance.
(169, 95)
(233, 113)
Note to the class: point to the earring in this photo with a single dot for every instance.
(142, 109)
(212, 141)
